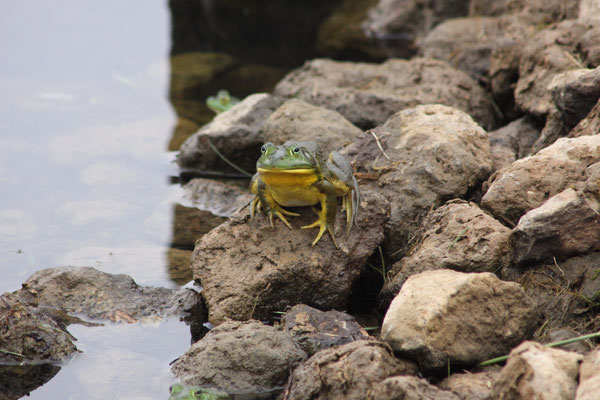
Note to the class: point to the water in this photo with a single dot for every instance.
(84, 126)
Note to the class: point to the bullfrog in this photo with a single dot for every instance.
(298, 174)
(222, 102)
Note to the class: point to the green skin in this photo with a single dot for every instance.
(333, 177)
(222, 102)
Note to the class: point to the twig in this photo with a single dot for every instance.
(226, 160)
(379, 145)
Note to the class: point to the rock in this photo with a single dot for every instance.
(535, 12)
(551, 51)
(536, 372)
(575, 92)
(316, 330)
(590, 125)
(457, 236)
(99, 295)
(298, 120)
(28, 335)
(408, 388)
(472, 386)
(368, 94)
(401, 24)
(589, 377)
(242, 358)
(513, 141)
(341, 37)
(190, 224)
(468, 43)
(436, 153)
(444, 316)
(589, 11)
(527, 183)
(566, 224)
(220, 198)
(345, 372)
(17, 381)
(250, 270)
(233, 132)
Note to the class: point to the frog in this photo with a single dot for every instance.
(297, 174)
(223, 101)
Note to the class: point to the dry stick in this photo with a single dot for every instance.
(553, 344)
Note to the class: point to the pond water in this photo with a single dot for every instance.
(85, 122)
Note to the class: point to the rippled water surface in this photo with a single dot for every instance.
(84, 127)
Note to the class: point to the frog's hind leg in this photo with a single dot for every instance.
(326, 215)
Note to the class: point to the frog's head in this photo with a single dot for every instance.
(291, 156)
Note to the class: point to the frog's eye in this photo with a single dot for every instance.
(263, 148)
(296, 150)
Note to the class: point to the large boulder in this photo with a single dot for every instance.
(99, 295)
(298, 120)
(566, 224)
(527, 183)
(345, 372)
(536, 372)
(446, 317)
(248, 269)
(368, 94)
(234, 133)
(457, 236)
(240, 358)
(436, 153)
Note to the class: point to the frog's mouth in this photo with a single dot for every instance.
(296, 171)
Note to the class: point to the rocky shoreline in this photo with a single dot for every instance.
(479, 165)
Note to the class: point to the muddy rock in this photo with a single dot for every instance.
(468, 43)
(575, 93)
(29, 335)
(589, 377)
(562, 47)
(99, 295)
(221, 198)
(401, 24)
(534, 11)
(472, 386)
(408, 388)
(192, 71)
(17, 381)
(457, 236)
(235, 133)
(590, 125)
(567, 224)
(368, 94)
(297, 119)
(316, 330)
(535, 372)
(513, 141)
(240, 358)
(589, 11)
(436, 153)
(249, 270)
(345, 372)
(527, 183)
(444, 316)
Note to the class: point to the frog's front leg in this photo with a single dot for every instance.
(326, 220)
(264, 200)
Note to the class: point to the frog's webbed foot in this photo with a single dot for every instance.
(323, 225)
(271, 209)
